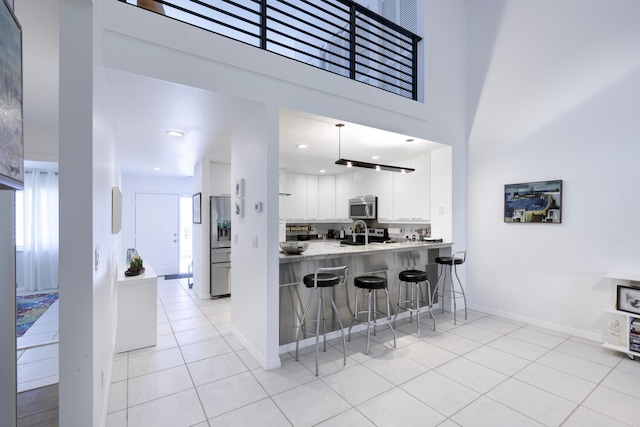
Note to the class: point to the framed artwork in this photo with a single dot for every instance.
(239, 187)
(239, 208)
(11, 136)
(539, 202)
(197, 208)
(628, 299)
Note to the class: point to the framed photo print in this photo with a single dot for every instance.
(538, 202)
(11, 124)
(239, 187)
(628, 299)
(197, 208)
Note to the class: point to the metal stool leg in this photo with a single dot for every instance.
(344, 342)
(464, 298)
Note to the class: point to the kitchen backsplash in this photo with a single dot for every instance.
(324, 231)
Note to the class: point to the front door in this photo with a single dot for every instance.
(156, 232)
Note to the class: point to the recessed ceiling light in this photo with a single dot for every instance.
(322, 171)
(301, 145)
(156, 169)
(175, 133)
(375, 157)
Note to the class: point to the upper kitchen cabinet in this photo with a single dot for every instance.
(299, 196)
(220, 176)
(344, 191)
(406, 197)
(312, 198)
(326, 197)
(364, 182)
(384, 191)
(421, 187)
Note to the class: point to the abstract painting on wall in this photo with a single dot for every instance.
(11, 138)
(539, 202)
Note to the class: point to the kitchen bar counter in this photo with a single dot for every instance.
(326, 249)
(382, 259)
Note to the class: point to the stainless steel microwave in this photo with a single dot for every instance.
(363, 207)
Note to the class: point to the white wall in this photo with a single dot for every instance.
(555, 91)
(87, 174)
(254, 250)
(8, 385)
(201, 239)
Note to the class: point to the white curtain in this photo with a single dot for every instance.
(40, 253)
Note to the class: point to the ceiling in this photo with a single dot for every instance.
(144, 109)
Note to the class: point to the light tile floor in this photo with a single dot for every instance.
(38, 366)
(486, 371)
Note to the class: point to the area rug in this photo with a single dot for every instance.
(30, 307)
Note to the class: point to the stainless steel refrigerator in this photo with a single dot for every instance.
(220, 284)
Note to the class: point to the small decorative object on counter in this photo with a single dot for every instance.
(135, 267)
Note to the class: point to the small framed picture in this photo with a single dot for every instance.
(239, 208)
(240, 187)
(628, 299)
(197, 201)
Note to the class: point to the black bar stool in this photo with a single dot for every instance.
(412, 280)
(371, 284)
(323, 278)
(446, 264)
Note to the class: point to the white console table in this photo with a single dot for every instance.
(137, 310)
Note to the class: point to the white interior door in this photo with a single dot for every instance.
(156, 233)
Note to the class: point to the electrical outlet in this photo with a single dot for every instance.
(441, 210)
(255, 242)
(235, 239)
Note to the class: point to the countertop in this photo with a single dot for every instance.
(331, 248)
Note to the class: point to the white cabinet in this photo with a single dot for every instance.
(623, 328)
(137, 310)
(344, 184)
(312, 198)
(289, 211)
(384, 191)
(220, 179)
(364, 182)
(326, 197)
(421, 187)
(402, 193)
(299, 196)
(410, 192)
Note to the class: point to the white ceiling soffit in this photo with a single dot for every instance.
(357, 142)
(144, 109)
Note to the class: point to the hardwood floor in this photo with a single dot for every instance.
(38, 407)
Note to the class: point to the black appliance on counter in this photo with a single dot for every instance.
(220, 279)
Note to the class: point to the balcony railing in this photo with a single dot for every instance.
(339, 36)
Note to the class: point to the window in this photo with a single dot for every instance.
(19, 212)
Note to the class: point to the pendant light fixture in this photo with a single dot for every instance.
(366, 165)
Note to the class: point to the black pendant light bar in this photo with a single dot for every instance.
(376, 166)
(366, 165)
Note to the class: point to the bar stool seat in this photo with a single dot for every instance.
(413, 276)
(412, 279)
(372, 284)
(324, 279)
(448, 266)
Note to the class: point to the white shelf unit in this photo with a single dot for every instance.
(624, 318)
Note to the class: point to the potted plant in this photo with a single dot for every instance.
(135, 266)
